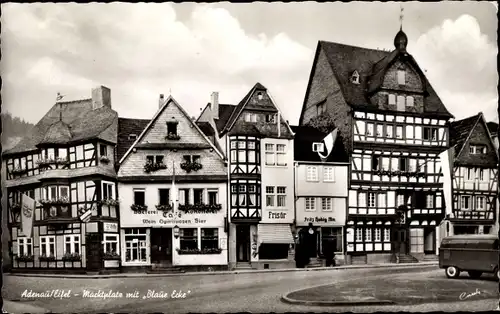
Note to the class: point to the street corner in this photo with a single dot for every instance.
(396, 290)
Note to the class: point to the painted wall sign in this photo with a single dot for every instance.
(158, 218)
(277, 215)
(319, 219)
(110, 227)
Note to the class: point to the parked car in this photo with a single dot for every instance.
(475, 254)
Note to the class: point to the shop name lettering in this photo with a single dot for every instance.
(319, 219)
(277, 215)
(173, 221)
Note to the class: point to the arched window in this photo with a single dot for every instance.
(355, 77)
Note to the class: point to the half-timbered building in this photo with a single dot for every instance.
(394, 125)
(321, 190)
(172, 183)
(258, 143)
(66, 164)
(474, 178)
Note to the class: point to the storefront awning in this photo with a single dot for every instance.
(275, 233)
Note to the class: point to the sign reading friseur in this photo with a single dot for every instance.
(168, 219)
(334, 217)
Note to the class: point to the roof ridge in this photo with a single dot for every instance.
(352, 46)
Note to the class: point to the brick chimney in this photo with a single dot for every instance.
(214, 105)
(101, 96)
(161, 101)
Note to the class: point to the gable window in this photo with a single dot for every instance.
(410, 101)
(172, 127)
(326, 204)
(389, 131)
(400, 103)
(318, 147)
(164, 196)
(103, 150)
(391, 99)
(310, 204)
(312, 173)
(430, 134)
(250, 117)
(321, 108)
(108, 190)
(401, 77)
(271, 118)
(132, 137)
(480, 204)
(139, 197)
(465, 202)
(477, 149)
(328, 174)
(355, 77)
(260, 95)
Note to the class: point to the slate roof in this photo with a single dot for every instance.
(460, 130)
(206, 128)
(79, 122)
(125, 128)
(305, 136)
(370, 64)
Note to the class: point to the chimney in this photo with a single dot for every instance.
(214, 105)
(101, 97)
(161, 101)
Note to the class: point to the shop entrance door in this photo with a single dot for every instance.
(243, 243)
(401, 238)
(161, 245)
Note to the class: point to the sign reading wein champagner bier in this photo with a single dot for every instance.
(168, 219)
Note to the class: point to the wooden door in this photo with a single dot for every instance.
(243, 243)
(94, 251)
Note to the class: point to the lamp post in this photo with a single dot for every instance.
(176, 231)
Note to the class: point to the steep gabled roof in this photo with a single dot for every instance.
(78, 122)
(225, 111)
(169, 100)
(305, 136)
(127, 127)
(460, 131)
(371, 64)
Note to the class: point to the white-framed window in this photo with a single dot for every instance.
(213, 196)
(469, 174)
(72, 244)
(108, 190)
(372, 199)
(387, 235)
(465, 202)
(359, 235)
(362, 199)
(381, 200)
(269, 149)
(209, 238)
(380, 130)
(399, 131)
(48, 246)
(310, 204)
(132, 137)
(140, 197)
(242, 144)
(63, 191)
(188, 238)
(477, 149)
(271, 118)
(481, 174)
(391, 99)
(369, 129)
(401, 77)
(389, 131)
(480, 203)
(430, 134)
(377, 235)
(103, 150)
(312, 173)
(368, 235)
(270, 196)
(110, 244)
(326, 204)
(429, 201)
(281, 154)
(329, 174)
(24, 246)
(400, 103)
(400, 199)
(135, 245)
(281, 196)
(250, 117)
(251, 145)
(410, 101)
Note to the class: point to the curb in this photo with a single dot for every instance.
(288, 300)
(142, 275)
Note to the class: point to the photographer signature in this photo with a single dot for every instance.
(465, 295)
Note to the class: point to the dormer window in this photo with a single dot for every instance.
(318, 147)
(477, 149)
(355, 77)
(271, 118)
(401, 77)
(132, 137)
(250, 117)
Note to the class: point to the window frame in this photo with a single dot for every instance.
(311, 177)
(328, 174)
(211, 191)
(310, 204)
(27, 242)
(280, 196)
(483, 207)
(213, 238)
(189, 238)
(462, 198)
(103, 150)
(139, 190)
(72, 243)
(328, 201)
(108, 186)
(47, 245)
(107, 241)
(167, 193)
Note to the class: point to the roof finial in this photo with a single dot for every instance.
(401, 15)
(170, 91)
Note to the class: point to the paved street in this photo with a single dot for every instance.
(259, 292)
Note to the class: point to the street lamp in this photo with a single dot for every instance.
(176, 231)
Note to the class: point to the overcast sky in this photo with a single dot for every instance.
(191, 49)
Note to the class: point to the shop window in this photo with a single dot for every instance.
(273, 251)
(24, 246)
(48, 246)
(417, 240)
(111, 244)
(135, 245)
(198, 196)
(164, 196)
(140, 197)
(333, 236)
(209, 238)
(72, 244)
(212, 197)
(189, 238)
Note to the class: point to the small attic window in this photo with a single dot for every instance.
(318, 147)
(132, 137)
(355, 77)
(259, 95)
